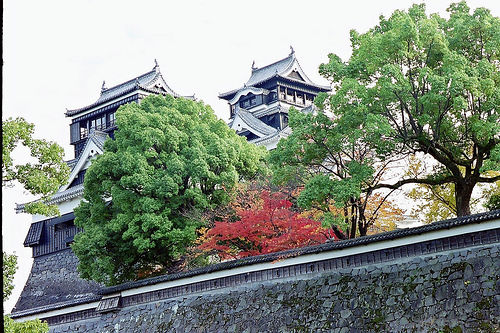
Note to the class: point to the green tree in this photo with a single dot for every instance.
(437, 202)
(29, 326)
(42, 175)
(170, 158)
(330, 153)
(9, 266)
(10, 326)
(493, 197)
(436, 83)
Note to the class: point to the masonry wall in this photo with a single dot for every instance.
(54, 279)
(446, 292)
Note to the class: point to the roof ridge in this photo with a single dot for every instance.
(255, 122)
(291, 55)
(129, 81)
(128, 86)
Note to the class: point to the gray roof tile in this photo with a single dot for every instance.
(255, 123)
(98, 137)
(145, 82)
(34, 234)
(276, 69)
(266, 72)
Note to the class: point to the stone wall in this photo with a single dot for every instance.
(53, 279)
(446, 292)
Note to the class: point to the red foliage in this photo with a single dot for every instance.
(269, 225)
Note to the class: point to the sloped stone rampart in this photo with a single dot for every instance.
(446, 292)
(54, 278)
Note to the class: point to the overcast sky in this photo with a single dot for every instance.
(57, 53)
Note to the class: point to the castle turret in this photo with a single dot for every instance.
(259, 109)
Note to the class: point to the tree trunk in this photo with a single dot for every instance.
(354, 220)
(339, 234)
(463, 193)
(353, 227)
(362, 224)
(363, 228)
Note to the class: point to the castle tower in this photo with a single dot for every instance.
(259, 109)
(54, 282)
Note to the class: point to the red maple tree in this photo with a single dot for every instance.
(268, 225)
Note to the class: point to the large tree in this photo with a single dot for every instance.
(330, 153)
(436, 83)
(170, 158)
(42, 174)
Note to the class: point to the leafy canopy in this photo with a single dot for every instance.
(330, 153)
(436, 84)
(42, 175)
(9, 266)
(170, 158)
(268, 225)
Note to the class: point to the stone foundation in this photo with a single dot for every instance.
(54, 279)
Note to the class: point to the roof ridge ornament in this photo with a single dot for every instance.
(291, 50)
(253, 66)
(157, 67)
(103, 87)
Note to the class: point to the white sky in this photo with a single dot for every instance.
(57, 53)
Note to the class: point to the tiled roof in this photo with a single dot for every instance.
(34, 234)
(270, 110)
(54, 306)
(391, 235)
(255, 123)
(267, 72)
(70, 193)
(98, 137)
(276, 69)
(145, 82)
(269, 138)
(285, 132)
(71, 163)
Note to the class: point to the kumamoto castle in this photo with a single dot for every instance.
(440, 277)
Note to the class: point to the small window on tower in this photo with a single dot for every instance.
(309, 99)
(282, 93)
(290, 95)
(300, 98)
(83, 130)
(285, 120)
